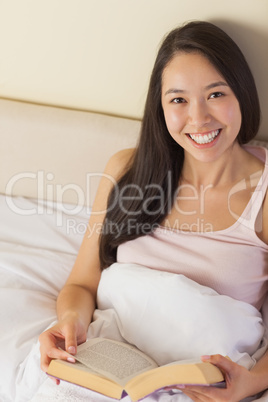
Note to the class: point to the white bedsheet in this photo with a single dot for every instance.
(38, 245)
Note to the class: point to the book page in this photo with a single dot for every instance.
(116, 360)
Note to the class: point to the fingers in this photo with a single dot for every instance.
(60, 342)
(207, 394)
(55, 380)
(44, 362)
(46, 344)
(201, 393)
(74, 334)
(223, 363)
(71, 343)
(49, 342)
(237, 379)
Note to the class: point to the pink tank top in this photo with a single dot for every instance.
(233, 261)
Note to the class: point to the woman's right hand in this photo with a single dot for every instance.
(61, 340)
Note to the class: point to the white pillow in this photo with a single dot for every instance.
(171, 317)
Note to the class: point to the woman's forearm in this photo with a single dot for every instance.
(76, 300)
(260, 371)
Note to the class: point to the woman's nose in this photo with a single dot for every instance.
(198, 113)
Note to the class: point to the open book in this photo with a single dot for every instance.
(114, 368)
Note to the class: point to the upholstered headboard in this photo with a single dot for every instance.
(55, 153)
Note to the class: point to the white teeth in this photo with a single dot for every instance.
(204, 139)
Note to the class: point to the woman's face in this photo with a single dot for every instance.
(201, 111)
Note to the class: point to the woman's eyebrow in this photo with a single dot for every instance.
(210, 86)
(216, 84)
(174, 91)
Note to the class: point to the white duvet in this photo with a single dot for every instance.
(36, 254)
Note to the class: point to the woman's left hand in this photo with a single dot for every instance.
(239, 383)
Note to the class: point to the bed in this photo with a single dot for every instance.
(51, 162)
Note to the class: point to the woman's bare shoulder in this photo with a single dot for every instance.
(119, 162)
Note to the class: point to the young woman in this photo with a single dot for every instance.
(192, 175)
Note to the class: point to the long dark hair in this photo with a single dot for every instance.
(144, 195)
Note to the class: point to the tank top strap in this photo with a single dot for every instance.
(252, 216)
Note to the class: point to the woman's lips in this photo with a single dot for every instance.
(204, 138)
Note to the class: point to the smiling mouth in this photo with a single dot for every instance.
(204, 138)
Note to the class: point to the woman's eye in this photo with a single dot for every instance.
(178, 100)
(216, 95)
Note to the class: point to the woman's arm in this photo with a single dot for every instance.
(260, 372)
(76, 301)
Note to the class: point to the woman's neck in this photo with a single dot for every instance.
(223, 171)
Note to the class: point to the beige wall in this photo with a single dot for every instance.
(97, 54)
